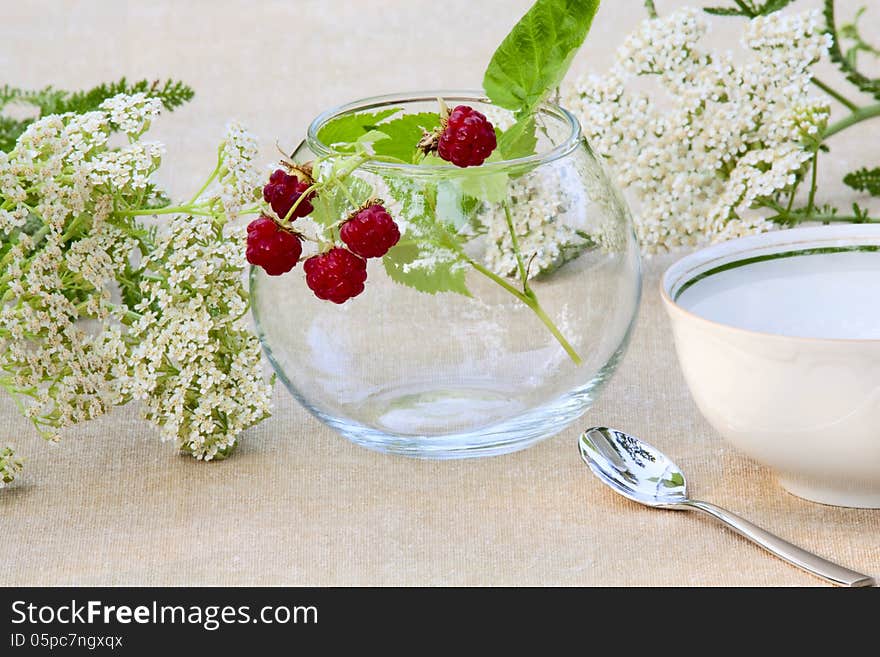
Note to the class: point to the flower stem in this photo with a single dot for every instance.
(176, 209)
(530, 300)
(207, 182)
(859, 115)
(836, 95)
(811, 202)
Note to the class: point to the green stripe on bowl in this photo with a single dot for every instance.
(867, 248)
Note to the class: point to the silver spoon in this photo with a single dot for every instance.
(645, 475)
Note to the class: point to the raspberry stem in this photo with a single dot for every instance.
(300, 199)
(520, 265)
(333, 179)
(348, 195)
(531, 300)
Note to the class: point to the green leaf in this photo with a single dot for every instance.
(172, 93)
(862, 82)
(427, 239)
(10, 130)
(399, 137)
(852, 32)
(724, 11)
(48, 100)
(535, 56)
(338, 201)
(444, 276)
(773, 5)
(351, 127)
(864, 180)
(518, 140)
(371, 137)
(749, 9)
(489, 187)
(454, 206)
(404, 134)
(449, 204)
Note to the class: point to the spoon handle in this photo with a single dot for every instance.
(783, 549)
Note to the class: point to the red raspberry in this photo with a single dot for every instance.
(337, 275)
(370, 232)
(467, 139)
(271, 247)
(282, 191)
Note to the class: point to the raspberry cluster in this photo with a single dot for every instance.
(337, 274)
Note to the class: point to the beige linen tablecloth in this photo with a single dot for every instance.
(298, 504)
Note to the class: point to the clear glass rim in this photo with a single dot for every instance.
(373, 103)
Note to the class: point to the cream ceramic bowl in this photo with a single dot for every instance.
(778, 336)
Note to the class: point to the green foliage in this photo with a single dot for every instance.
(48, 100)
(44, 99)
(725, 11)
(861, 81)
(397, 138)
(430, 238)
(535, 56)
(864, 180)
(172, 93)
(518, 140)
(861, 215)
(453, 206)
(749, 8)
(340, 199)
(404, 134)
(10, 129)
(351, 127)
(489, 187)
(447, 276)
(850, 31)
(155, 198)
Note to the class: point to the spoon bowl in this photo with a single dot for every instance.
(633, 468)
(643, 474)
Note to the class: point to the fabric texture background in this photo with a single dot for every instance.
(298, 505)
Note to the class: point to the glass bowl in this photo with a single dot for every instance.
(523, 346)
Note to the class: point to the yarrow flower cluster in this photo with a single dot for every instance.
(98, 308)
(197, 366)
(239, 177)
(733, 137)
(10, 466)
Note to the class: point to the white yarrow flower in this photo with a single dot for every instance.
(240, 179)
(731, 135)
(99, 309)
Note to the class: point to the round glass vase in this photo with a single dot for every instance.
(493, 323)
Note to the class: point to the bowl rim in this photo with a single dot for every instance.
(762, 247)
(372, 103)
